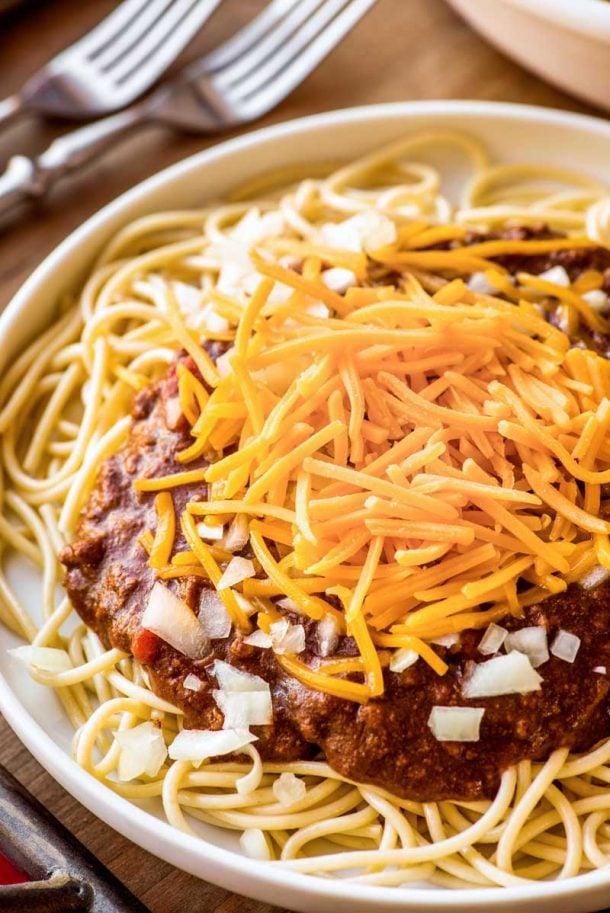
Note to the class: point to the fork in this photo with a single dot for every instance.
(114, 63)
(242, 79)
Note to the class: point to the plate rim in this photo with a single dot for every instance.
(185, 851)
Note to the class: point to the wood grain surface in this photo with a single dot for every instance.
(404, 49)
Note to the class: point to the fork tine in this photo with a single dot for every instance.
(296, 59)
(241, 42)
(104, 33)
(131, 33)
(151, 55)
(271, 43)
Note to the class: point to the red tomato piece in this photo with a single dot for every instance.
(144, 646)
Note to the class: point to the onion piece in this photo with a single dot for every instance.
(368, 230)
(206, 531)
(596, 575)
(237, 569)
(565, 646)
(213, 616)
(46, 659)
(339, 279)
(289, 789)
(171, 619)
(223, 362)
(287, 638)
(492, 640)
(192, 683)
(601, 670)
(232, 679)
(245, 699)
(597, 299)
(456, 724)
(328, 634)
(242, 709)
(199, 744)
(480, 284)
(532, 641)
(173, 412)
(259, 639)
(447, 640)
(510, 674)
(402, 659)
(143, 751)
(254, 844)
(557, 275)
(288, 604)
(238, 534)
(212, 321)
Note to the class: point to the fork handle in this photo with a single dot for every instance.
(31, 178)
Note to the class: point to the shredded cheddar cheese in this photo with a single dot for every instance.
(410, 462)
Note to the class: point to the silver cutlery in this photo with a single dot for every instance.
(112, 65)
(242, 79)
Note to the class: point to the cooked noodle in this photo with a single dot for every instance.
(66, 406)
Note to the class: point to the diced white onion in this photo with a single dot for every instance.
(242, 709)
(199, 744)
(212, 321)
(597, 299)
(289, 789)
(187, 296)
(223, 362)
(173, 412)
(259, 639)
(601, 670)
(402, 659)
(447, 640)
(456, 724)
(47, 659)
(318, 309)
(254, 844)
(595, 576)
(143, 751)
(232, 679)
(480, 284)
(287, 638)
(288, 604)
(171, 619)
(237, 534)
(557, 275)
(192, 683)
(565, 646)
(492, 640)
(237, 569)
(245, 605)
(510, 674)
(532, 641)
(368, 230)
(209, 531)
(255, 226)
(339, 279)
(328, 634)
(213, 616)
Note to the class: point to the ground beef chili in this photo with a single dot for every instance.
(386, 742)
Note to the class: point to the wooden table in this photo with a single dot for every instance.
(404, 49)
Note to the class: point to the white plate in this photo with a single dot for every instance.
(566, 42)
(512, 133)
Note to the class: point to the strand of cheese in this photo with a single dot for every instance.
(404, 463)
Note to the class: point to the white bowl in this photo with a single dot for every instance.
(566, 42)
(511, 132)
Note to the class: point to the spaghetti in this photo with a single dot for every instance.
(399, 431)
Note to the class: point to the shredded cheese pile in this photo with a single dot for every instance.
(408, 463)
